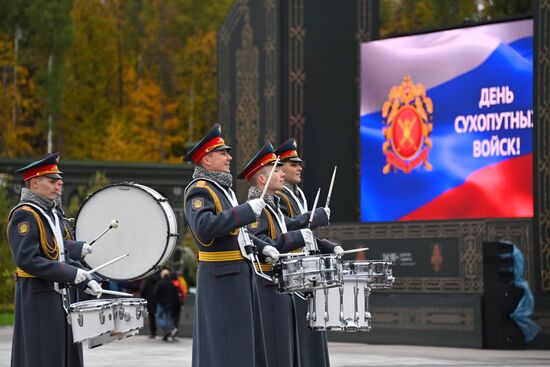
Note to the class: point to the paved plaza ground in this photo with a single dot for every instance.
(144, 352)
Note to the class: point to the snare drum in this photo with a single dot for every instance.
(147, 230)
(306, 273)
(343, 308)
(129, 314)
(91, 318)
(377, 273)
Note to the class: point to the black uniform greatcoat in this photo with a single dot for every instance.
(278, 314)
(313, 344)
(41, 332)
(75, 357)
(227, 327)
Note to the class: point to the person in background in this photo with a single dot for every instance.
(147, 291)
(166, 296)
(182, 292)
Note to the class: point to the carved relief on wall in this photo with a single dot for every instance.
(296, 72)
(247, 114)
(271, 90)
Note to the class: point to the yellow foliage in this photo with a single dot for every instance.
(18, 104)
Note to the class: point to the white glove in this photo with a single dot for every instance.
(86, 249)
(327, 210)
(271, 253)
(257, 206)
(309, 241)
(81, 275)
(93, 288)
(338, 250)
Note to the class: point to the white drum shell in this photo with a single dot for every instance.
(129, 314)
(341, 308)
(147, 230)
(91, 318)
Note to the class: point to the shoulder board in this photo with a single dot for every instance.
(201, 183)
(21, 207)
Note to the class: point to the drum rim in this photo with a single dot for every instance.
(155, 267)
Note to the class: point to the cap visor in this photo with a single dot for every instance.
(222, 147)
(54, 175)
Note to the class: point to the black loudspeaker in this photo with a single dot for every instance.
(500, 298)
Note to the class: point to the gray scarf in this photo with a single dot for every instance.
(223, 178)
(292, 188)
(43, 202)
(254, 192)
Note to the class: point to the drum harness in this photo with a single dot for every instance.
(246, 246)
(58, 237)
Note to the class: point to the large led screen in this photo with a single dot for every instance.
(446, 125)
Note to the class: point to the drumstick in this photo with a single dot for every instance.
(113, 224)
(330, 187)
(115, 293)
(269, 178)
(352, 251)
(288, 254)
(313, 208)
(107, 263)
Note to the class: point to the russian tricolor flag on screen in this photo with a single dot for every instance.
(463, 147)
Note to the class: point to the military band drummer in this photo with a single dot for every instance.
(227, 326)
(277, 310)
(313, 344)
(45, 269)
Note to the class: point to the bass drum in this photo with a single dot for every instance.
(147, 230)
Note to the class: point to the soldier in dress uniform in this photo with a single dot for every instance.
(278, 313)
(75, 356)
(313, 344)
(227, 327)
(44, 270)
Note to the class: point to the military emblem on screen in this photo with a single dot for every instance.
(407, 117)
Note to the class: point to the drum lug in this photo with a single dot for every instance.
(139, 312)
(349, 325)
(101, 317)
(80, 320)
(121, 313)
(127, 316)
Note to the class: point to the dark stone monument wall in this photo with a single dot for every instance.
(290, 68)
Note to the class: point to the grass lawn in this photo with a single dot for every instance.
(6, 318)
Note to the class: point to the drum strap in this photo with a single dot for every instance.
(300, 201)
(57, 251)
(291, 213)
(217, 202)
(264, 267)
(51, 251)
(245, 243)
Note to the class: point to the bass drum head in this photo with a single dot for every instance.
(146, 230)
